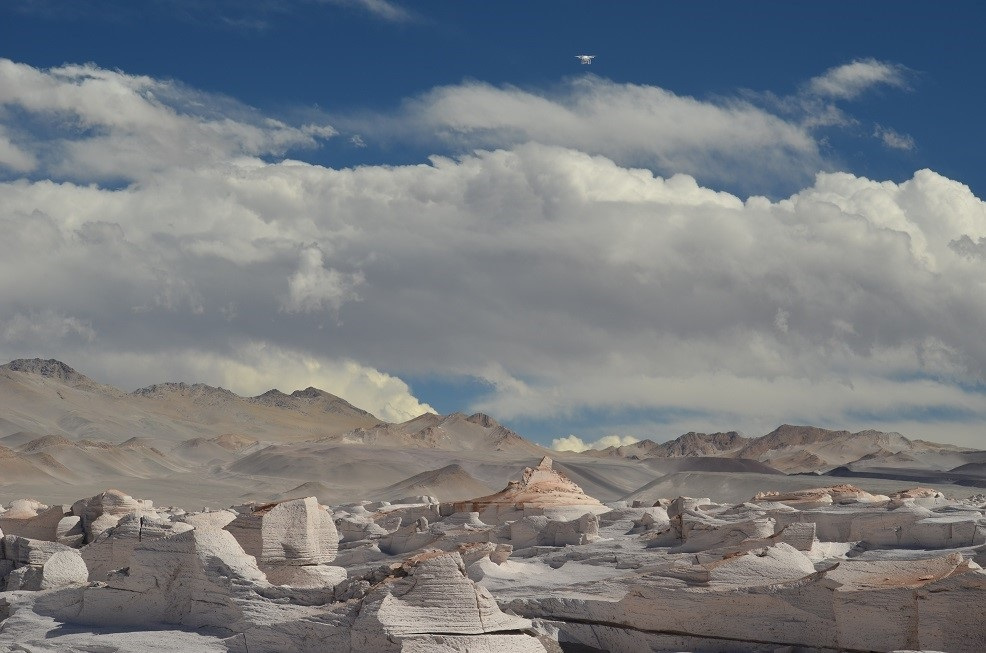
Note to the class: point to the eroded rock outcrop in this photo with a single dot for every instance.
(436, 607)
(190, 579)
(292, 541)
(541, 490)
(27, 564)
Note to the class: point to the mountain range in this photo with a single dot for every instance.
(62, 433)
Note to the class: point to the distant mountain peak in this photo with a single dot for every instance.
(483, 420)
(311, 392)
(333, 404)
(48, 368)
(182, 388)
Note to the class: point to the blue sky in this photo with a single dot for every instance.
(248, 194)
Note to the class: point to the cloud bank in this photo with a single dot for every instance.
(571, 282)
(577, 444)
(630, 124)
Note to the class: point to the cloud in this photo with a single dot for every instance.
(893, 139)
(631, 124)
(89, 123)
(383, 9)
(573, 283)
(14, 158)
(851, 80)
(314, 288)
(964, 246)
(577, 444)
(36, 330)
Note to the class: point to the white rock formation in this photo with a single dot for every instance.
(829, 569)
(297, 532)
(39, 565)
(114, 548)
(436, 607)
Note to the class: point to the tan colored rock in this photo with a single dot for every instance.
(842, 494)
(917, 493)
(32, 519)
(542, 489)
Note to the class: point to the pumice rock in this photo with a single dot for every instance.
(40, 565)
(805, 573)
(841, 494)
(297, 532)
(434, 607)
(542, 490)
(32, 519)
(189, 579)
(104, 510)
(114, 548)
(538, 530)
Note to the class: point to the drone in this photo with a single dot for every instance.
(585, 59)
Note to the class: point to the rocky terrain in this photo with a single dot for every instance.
(298, 522)
(538, 566)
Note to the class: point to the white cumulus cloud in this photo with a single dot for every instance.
(893, 139)
(110, 125)
(632, 124)
(313, 287)
(577, 444)
(850, 80)
(570, 280)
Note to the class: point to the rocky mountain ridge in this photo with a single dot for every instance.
(795, 449)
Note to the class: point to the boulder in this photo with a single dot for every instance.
(38, 564)
(190, 579)
(538, 530)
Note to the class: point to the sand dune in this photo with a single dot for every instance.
(449, 483)
(218, 450)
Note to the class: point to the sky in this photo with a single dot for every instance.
(739, 215)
